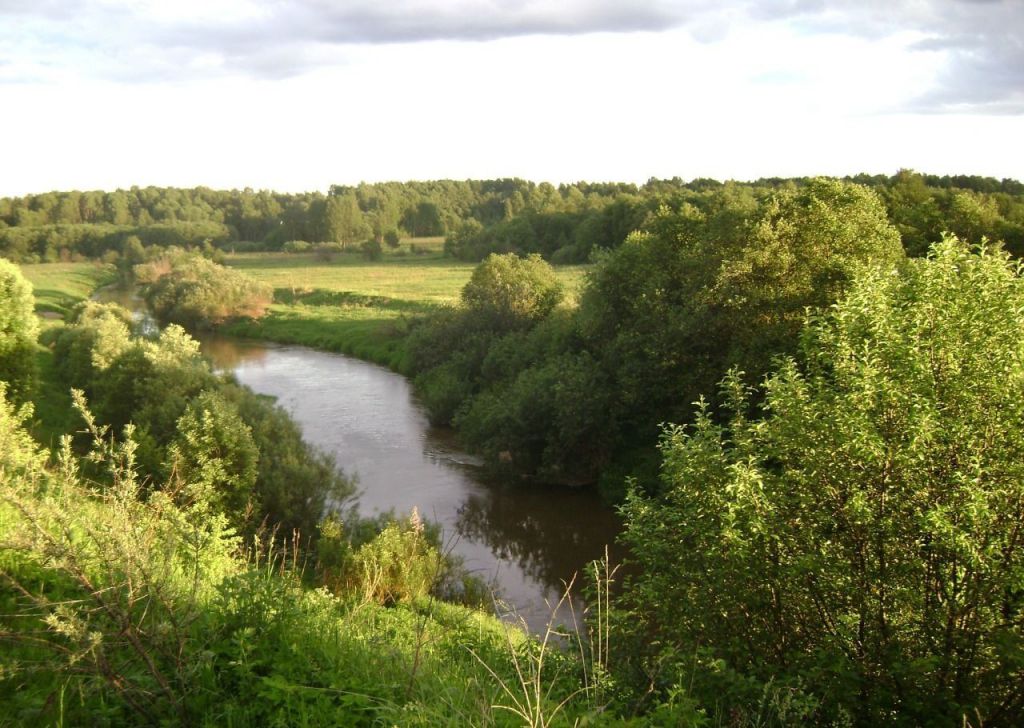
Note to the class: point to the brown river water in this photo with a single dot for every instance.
(525, 540)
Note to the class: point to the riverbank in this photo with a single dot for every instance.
(187, 629)
(368, 419)
(58, 287)
(353, 306)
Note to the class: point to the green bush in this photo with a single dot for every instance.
(297, 246)
(862, 541)
(18, 330)
(197, 293)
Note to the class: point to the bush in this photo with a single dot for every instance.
(863, 540)
(510, 291)
(372, 250)
(297, 246)
(197, 293)
(18, 330)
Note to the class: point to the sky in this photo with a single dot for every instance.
(296, 95)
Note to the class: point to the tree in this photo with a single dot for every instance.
(18, 330)
(865, 538)
(805, 247)
(214, 454)
(423, 220)
(343, 220)
(511, 291)
(697, 292)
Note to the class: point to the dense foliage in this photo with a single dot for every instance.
(510, 292)
(574, 393)
(861, 542)
(239, 451)
(839, 545)
(127, 604)
(563, 224)
(18, 330)
(194, 292)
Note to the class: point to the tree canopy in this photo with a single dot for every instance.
(510, 290)
(863, 540)
(18, 330)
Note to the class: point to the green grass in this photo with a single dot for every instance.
(355, 306)
(145, 614)
(59, 286)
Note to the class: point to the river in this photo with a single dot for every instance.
(526, 540)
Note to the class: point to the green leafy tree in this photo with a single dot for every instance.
(864, 540)
(423, 220)
(696, 292)
(18, 330)
(511, 291)
(215, 456)
(343, 220)
(805, 246)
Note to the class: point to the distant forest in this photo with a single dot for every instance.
(564, 224)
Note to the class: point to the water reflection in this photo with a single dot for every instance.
(548, 534)
(528, 540)
(228, 355)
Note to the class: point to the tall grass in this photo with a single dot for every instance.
(59, 286)
(122, 610)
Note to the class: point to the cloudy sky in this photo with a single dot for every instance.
(299, 94)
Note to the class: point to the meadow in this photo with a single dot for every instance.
(355, 306)
(59, 286)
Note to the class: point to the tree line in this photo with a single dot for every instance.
(564, 224)
(577, 394)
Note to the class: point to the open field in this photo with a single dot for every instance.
(423, 279)
(355, 306)
(59, 286)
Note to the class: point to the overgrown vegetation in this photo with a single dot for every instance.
(194, 292)
(18, 331)
(569, 395)
(190, 423)
(833, 534)
(859, 543)
(125, 604)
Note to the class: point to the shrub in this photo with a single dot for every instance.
(297, 246)
(196, 292)
(18, 330)
(864, 539)
(511, 291)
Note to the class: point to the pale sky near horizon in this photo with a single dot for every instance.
(297, 95)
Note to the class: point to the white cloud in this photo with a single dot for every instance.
(724, 94)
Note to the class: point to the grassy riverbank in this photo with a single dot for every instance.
(127, 625)
(119, 609)
(57, 288)
(354, 306)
